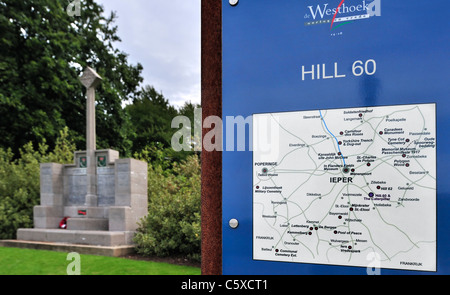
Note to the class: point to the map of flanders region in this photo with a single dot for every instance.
(353, 187)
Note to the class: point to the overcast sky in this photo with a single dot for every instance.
(164, 36)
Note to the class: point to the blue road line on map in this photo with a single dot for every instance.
(337, 141)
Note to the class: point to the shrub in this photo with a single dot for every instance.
(19, 182)
(172, 226)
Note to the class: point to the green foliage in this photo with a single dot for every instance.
(19, 181)
(173, 224)
(158, 155)
(19, 190)
(188, 110)
(42, 53)
(151, 116)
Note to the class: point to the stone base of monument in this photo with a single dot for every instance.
(108, 219)
(113, 251)
(79, 237)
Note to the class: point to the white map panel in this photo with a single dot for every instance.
(352, 187)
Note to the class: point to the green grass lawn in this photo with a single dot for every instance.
(38, 262)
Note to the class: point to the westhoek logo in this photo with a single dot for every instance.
(343, 14)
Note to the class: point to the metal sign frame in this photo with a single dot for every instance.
(282, 56)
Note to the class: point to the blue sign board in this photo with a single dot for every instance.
(336, 153)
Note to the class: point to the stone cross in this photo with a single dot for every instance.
(90, 79)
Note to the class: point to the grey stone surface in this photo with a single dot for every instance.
(75, 223)
(119, 219)
(105, 186)
(75, 186)
(110, 217)
(129, 235)
(91, 200)
(80, 237)
(59, 235)
(140, 202)
(132, 200)
(71, 211)
(90, 78)
(130, 180)
(46, 222)
(125, 218)
(98, 212)
(52, 199)
(51, 184)
(47, 216)
(91, 212)
(46, 211)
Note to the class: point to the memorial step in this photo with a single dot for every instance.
(94, 224)
(79, 237)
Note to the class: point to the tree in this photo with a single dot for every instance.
(193, 112)
(188, 110)
(43, 51)
(151, 116)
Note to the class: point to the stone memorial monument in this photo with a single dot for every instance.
(96, 201)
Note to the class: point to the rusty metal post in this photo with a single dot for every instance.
(211, 34)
